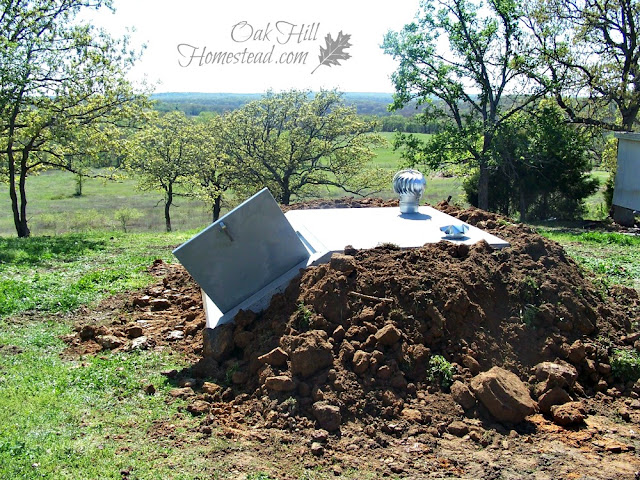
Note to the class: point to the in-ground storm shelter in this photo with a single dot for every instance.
(255, 250)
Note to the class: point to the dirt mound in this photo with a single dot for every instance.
(361, 332)
(344, 202)
(166, 315)
(390, 339)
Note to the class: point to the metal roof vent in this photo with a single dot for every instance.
(410, 185)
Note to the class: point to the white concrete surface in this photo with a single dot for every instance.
(333, 229)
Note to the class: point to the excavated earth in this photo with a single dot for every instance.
(440, 361)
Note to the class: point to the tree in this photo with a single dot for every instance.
(592, 50)
(56, 78)
(476, 83)
(544, 166)
(165, 154)
(293, 143)
(214, 173)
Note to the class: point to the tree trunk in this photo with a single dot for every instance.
(483, 186)
(24, 228)
(167, 208)
(286, 197)
(523, 206)
(217, 206)
(629, 116)
(19, 210)
(79, 181)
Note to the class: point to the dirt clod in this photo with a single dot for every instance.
(462, 395)
(504, 395)
(572, 413)
(328, 416)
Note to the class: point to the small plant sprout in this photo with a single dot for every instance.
(440, 371)
(625, 365)
(303, 317)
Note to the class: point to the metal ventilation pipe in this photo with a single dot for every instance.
(410, 185)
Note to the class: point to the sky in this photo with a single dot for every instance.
(250, 46)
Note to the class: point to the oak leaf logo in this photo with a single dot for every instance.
(334, 50)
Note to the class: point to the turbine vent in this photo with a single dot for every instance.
(409, 184)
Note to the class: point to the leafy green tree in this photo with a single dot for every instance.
(477, 81)
(592, 50)
(57, 78)
(544, 167)
(164, 156)
(294, 143)
(214, 173)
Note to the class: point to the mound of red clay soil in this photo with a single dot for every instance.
(401, 341)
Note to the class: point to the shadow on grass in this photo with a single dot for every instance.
(35, 250)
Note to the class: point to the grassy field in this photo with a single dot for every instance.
(54, 208)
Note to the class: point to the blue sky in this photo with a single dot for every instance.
(249, 42)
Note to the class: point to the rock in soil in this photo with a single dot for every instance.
(458, 428)
(504, 395)
(199, 407)
(309, 352)
(328, 416)
(276, 357)
(185, 392)
(555, 396)
(462, 395)
(572, 413)
(110, 342)
(317, 449)
(556, 374)
(280, 383)
(218, 342)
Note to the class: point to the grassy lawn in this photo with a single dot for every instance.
(612, 257)
(84, 418)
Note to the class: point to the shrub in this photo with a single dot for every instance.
(541, 168)
(126, 215)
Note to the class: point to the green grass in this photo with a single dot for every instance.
(438, 187)
(625, 365)
(57, 274)
(595, 205)
(86, 418)
(53, 208)
(613, 258)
